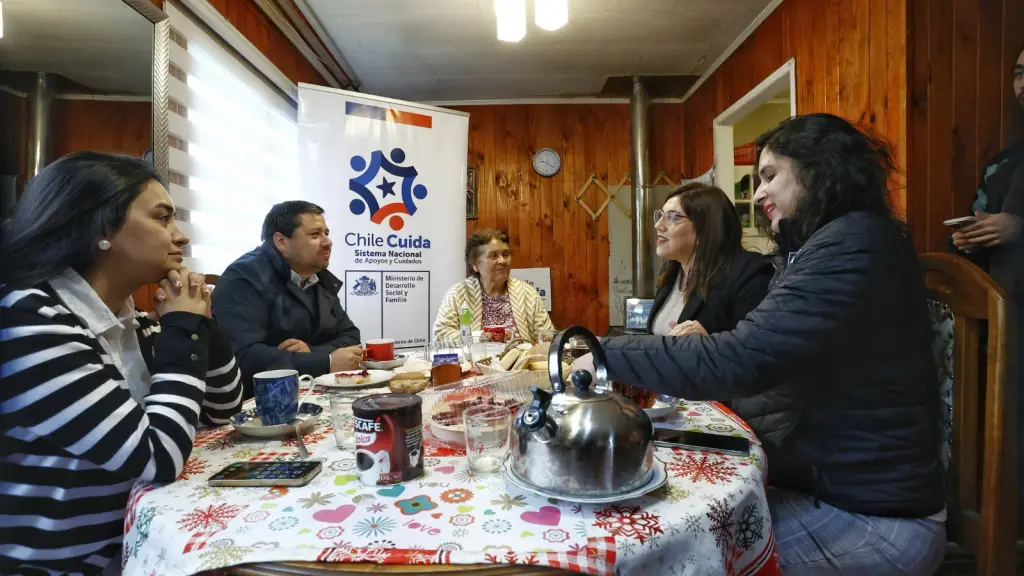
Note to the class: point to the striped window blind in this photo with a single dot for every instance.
(233, 146)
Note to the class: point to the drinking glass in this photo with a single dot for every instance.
(487, 437)
(445, 358)
(342, 419)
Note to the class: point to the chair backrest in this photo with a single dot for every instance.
(979, 443)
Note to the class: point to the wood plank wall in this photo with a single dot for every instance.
(962, 109)
(546, 226)
(103, 126)
(247, 17)
(850, 61)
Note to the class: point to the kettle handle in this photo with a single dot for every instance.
(555, 357)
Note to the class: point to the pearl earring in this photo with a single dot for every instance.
(104, 245)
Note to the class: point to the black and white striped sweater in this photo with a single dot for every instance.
(74, 442)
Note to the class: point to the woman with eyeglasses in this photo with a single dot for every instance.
(709, 282)
(494, 298)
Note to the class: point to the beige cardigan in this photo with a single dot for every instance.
(527, 309)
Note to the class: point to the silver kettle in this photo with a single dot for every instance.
(588, 442)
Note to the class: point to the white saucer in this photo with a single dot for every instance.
(658, 478)
(377, 378)
(397, 362)
(248, 423)
(659, 410)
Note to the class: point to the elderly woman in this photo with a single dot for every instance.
(857, 486)
(95, 395)
(494, 298)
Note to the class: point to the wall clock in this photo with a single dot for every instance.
(546, 162)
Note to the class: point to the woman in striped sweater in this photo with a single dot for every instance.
(95, 396)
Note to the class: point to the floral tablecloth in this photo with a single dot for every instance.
(710, 518)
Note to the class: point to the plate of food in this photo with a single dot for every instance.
(659, 410)
(445, 418)
(354, 379)
(410, 382)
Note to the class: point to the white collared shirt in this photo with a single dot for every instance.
(670, 310)
(115, 332)
(310, 282)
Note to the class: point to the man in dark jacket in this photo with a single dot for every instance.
(279, 304)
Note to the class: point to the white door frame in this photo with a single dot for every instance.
(784, 77)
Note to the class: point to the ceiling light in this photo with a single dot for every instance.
(511, 16)
(1, 19)
(551, 14)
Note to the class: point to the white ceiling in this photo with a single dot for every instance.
(105, 45)
(431, 50)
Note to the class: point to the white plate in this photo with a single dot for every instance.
(659, 410)
(397, 362)
(248, 423)
(377, 377)
(658, 478)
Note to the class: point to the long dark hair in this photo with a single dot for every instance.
(64, 212)
(478, 239)
(842, 169)
(718, 232)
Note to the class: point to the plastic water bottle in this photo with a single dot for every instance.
(466, 324)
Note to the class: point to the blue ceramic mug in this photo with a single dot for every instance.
(277, 395)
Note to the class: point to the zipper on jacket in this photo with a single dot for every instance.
(814, 476)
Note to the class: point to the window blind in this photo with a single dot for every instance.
(233, 146)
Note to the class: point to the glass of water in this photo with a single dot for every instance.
(341, 419)
(487, 437)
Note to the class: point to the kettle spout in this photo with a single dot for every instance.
(534, 419)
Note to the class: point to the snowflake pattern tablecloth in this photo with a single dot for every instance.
(710, 518)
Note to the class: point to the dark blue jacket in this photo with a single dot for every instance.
(258, 305)
(847, 325)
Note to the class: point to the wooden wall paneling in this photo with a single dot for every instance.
(247, 17)
(1013, 43)
(544, 134)
(567, 274)
(547, 228)
(940, 121)
(105, 126)
(917, 121)
(895, 124)
(515, 125)
(965, 105)
(854, 59)
(989, 102)
(501, 177)
(582, 169)
(959, 59)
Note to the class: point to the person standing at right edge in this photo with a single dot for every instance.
(996, 243)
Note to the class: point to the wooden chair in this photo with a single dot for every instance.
(979, 417)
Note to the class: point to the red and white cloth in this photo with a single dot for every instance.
(710, 518)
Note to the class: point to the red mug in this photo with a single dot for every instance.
(497, 333)
(382, 350)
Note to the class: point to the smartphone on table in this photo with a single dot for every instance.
(694, 440)
(255, 474)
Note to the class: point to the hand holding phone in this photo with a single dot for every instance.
(960, 222)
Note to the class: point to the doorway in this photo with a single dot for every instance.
(735, 131)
